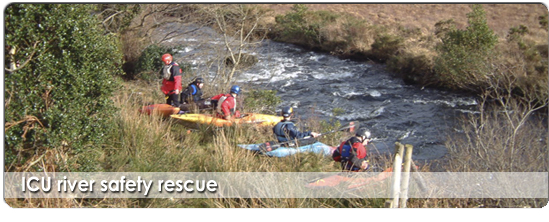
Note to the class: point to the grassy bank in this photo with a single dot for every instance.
(419, 41)
(143, 143)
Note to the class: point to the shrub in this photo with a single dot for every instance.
(414, 69)
(261, 100)
(304, 27)
(60, 94)
(149, 63)
(386, 46)
(463, 54)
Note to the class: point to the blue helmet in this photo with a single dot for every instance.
(235, 89)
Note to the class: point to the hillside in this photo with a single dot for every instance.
(500, 17)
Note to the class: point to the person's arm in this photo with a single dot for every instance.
(294, 133)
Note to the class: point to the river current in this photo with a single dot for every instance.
(316, 84)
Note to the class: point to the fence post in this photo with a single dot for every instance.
(397, 169)
(406, 175)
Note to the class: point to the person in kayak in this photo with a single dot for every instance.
(226, 104)
(352, 153)
(193, 92)
(171, 80)
(286, 130)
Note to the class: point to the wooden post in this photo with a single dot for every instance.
(397, 169)
(406, 175)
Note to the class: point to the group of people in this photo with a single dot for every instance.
(352, 153)
(224, 104)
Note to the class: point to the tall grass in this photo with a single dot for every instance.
(496, 139)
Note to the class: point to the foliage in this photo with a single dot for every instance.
(261, 100)
(117, 17)
(60, 94)
(304, 27)
(149, 63)
(463, 54)
(386, 46)
(417, 69)
(337, 111)
(150, 58)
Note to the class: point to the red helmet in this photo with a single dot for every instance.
(167, 58)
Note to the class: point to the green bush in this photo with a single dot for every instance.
(463, 54)
(261, 100)
(413, 69)
(60, 95)
(386, 46)
(149, 63)
(304, 27)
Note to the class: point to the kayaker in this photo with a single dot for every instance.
(171, 80)
(226, 104)
(286, 130)
(352, 153)
(193, 92)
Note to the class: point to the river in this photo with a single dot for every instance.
(317, 83)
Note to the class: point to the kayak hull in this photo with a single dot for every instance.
(164, 110)
(250, 118)
(349, 180)
(317, 147)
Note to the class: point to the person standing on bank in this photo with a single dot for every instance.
(286, 130)
(352, 153)
(171, 80)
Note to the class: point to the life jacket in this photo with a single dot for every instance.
(343, 154)
(344, 151)
(191, 93)
(279, 131)
(218, 100)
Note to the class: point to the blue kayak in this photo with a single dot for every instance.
(317, 147)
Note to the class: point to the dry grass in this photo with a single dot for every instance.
(500, 17)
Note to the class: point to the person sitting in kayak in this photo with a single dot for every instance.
(193, 92)
(226, 104)
(286, 131)
(352, 153)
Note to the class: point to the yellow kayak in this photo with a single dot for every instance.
(249, 118)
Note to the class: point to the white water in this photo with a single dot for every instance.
(309, 81)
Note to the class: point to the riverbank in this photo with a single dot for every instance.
(408, 38)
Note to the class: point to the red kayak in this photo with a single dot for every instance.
(352, 182)
(164, 110)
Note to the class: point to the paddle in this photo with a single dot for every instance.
(273, 145)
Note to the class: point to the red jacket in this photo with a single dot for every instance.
(174, 83)
(357, 147)
(228, 106)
